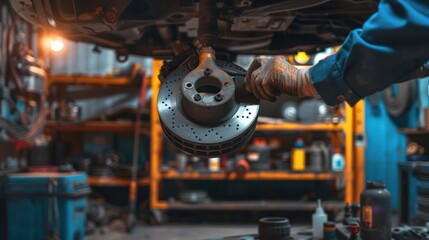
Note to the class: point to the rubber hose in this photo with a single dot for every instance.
(9, 48)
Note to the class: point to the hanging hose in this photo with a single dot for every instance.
(9, 49)
(18, 132)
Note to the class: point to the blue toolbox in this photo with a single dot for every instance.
(46, 206)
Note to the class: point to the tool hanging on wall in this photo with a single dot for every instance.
(399, 97)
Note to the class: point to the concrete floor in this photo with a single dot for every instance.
(190, 231)
(177, 232)
(183, 232)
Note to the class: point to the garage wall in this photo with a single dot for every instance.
(23, 29)
(424, 98)
(385, 144)
(79, 58)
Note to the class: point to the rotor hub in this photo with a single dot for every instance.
(199, 111)
(208, 92)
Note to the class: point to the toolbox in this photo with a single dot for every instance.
(46, 205)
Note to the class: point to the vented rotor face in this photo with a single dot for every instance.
(205, 140)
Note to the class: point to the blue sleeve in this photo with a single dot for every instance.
(392, 44)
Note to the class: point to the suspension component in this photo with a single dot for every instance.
(207, 25)
(206, 111)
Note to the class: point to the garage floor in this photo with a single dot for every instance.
(177, 232)
(182, 232)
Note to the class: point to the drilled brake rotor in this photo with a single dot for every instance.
(187, 123)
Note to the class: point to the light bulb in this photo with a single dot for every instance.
(57, 45)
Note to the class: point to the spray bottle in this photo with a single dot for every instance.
(319, 217)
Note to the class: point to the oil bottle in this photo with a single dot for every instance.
(298, 156)
(375, 217)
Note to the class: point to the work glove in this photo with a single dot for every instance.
(267, 78)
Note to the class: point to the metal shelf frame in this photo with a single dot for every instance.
(352, 127)
(251, 205)
(95, 126)
(255, 176)
(353, 175)
(110, 181)
(300, 127)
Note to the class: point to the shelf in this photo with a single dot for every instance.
(253, 205)
(120, 126)
(95, 126)
(351, 124)
(114, 181)
(89, 80)
(260, 175)
(414, 131)
(299, 127)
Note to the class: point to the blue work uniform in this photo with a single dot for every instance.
(392, 44)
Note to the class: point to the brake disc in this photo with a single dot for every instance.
(199, 110)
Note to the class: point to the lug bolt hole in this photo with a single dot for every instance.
(189, 85)
(218, 97)
(207, 71)
(197, 97)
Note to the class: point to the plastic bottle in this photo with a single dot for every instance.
(376, 216)
(298, 155)
(319, 217)
(337, 161)
(315, 159)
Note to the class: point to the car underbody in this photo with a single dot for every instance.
(203, 107)
(162, 28)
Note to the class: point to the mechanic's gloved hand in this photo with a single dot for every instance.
(267, 78)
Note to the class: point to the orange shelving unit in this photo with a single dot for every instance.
(128, 127)
(352, 129)
(95, 126)
(114, 181)
(255, 176)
